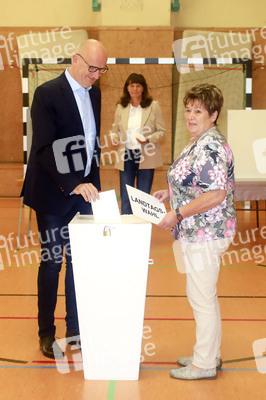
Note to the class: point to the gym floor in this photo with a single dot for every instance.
(169, 327)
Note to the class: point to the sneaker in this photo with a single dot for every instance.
(184, 361)
(186, 373)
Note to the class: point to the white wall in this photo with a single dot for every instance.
(220, 13)
(78, 13)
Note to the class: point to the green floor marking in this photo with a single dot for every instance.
(111, 390)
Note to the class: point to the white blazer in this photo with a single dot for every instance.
(152, 124)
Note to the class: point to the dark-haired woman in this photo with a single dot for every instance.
(137, 131)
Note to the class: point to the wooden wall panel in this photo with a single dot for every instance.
(120, 42)
(137, 42)
(130, 43)
(11, 116)
(258, 55)
(259, 72)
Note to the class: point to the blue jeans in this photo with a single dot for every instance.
(54, 238)
(144, 178)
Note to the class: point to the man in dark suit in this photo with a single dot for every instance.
(63, 175)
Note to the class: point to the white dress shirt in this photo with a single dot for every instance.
(83, 100)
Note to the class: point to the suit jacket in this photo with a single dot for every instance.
(152, 126)
(56, 122)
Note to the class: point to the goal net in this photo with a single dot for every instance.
(166, 84)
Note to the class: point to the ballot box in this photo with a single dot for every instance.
(110, 265)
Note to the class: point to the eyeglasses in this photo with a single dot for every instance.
(91, 68)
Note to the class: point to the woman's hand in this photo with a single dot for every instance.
(168, 221)
(115, 141)
(162, 195)
(142, 140)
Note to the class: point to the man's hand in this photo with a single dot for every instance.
(87, 191)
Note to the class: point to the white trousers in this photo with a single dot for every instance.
(202, 264)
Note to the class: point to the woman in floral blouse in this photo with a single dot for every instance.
(203, 220)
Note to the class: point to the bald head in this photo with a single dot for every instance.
(90, 45)
(89, 53)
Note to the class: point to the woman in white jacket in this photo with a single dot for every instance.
(137, 131)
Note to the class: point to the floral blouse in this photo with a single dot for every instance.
(206, 164)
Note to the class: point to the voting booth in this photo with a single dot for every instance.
(110, 265)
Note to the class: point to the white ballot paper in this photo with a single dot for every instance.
(106, 208)
(145, 206)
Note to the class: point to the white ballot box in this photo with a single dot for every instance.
(110, 264)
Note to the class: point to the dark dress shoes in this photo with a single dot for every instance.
(50, 348)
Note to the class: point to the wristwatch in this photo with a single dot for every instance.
(178, 215)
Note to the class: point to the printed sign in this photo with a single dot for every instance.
(145, 206)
